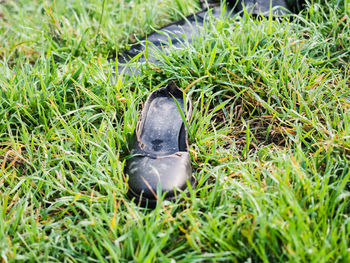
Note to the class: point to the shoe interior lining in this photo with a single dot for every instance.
(162, 126)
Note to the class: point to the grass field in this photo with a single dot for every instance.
(269, 135)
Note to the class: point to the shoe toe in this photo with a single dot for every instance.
(170, 173)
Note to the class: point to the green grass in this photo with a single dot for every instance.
(269, 135)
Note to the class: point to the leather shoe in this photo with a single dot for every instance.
(160, 162)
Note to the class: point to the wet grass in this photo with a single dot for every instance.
(269, 136)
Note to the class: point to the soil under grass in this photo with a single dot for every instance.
(269, 135)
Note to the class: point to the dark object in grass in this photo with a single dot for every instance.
(263, 7)
(160, 162)
(176, 32)
(190, 26)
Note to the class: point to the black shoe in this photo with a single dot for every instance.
(160, 158)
